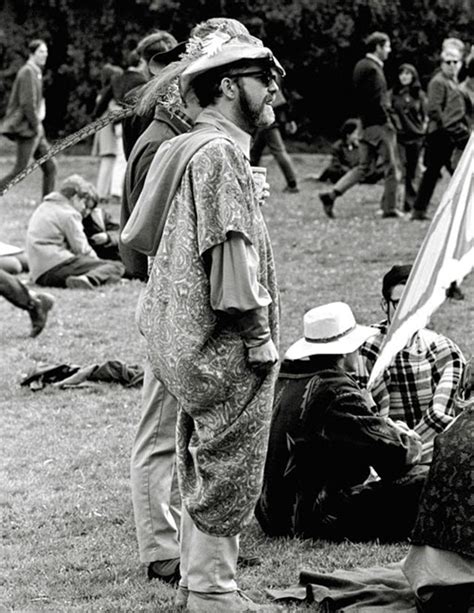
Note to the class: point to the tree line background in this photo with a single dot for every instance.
(318, 42)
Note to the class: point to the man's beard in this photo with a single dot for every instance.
(257, 116)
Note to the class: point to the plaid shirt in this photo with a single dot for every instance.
(419, 386)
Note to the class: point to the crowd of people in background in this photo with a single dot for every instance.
(191, 229)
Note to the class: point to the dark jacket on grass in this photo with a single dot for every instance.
(164, 126)
(323, 440)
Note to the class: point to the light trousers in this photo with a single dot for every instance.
(118, 172)
(155, 494)
(208, 563)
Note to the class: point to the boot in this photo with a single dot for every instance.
(41, 305)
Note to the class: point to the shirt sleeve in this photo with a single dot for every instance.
(76, 237)
(436, 101)
(371, 438)
(447, 370)
(235, 290)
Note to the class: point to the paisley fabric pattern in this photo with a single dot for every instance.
(225, 406)
(446, 515)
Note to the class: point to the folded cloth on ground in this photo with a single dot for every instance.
(67, 375)
(362, 590)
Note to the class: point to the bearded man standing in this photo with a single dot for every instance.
(210, 309)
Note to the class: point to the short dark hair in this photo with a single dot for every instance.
(34, 44)
(348, 127)
(375, 39)
(132, 59)
(397, 275)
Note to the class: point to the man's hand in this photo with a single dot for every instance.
(99, 239)
(264, 356)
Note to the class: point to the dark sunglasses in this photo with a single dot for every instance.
(451, 61)
(264, 76)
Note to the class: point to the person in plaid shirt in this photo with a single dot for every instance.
(420, 385)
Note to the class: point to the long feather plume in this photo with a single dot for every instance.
(69, 141)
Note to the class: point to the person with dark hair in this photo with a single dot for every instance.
(378, 139)
(467, 87)
(24, 117)
(38, 305)
(420, 385)
(324, 439)
(209, 312)
(150, 47)
(105, 141)
(410, 117)
(58, 251)
(448, 127)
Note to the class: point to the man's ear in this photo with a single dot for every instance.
(383, 304)
(229, 88)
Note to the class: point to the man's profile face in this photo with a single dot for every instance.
(394, 299)
(40, 56)
(383, 51)
(451, 63)
(257, 89)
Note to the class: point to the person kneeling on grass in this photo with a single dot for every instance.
(58, 251)
(324, 439)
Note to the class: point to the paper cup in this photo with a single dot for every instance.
(259, 174)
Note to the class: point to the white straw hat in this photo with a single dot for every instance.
(329, 329)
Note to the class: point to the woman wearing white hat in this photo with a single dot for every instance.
(324, 439)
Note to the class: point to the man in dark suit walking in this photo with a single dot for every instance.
(378, 137)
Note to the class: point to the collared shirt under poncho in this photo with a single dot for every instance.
(224, 405)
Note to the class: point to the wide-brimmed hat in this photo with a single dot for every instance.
(330, 329)
(163, 58)
(220, 49)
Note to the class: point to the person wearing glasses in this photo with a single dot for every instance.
(209, 312)
(448, 127)
(419, 387)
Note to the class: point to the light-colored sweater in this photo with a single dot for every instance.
(55, 235)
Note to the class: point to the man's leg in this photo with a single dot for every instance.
(258, 146)
(438, 154)
(155, 492)
(97, 272)
(24, 150)
(387, 151)
(104, 177)
(412, 157)
(49, 168)
(19, 295)
(278, 149)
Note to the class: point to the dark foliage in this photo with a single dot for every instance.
(318, 41)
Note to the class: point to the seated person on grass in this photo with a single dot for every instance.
(102, 233)
(324, 440)
(420, 385)
(59, 253)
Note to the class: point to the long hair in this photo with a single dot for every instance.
(415, 86)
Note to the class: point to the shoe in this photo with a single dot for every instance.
(291, 189)
(419, 216)
(246, 561)
(454, 292)
(327, 199)
(79, 282)
(43, 303)
(165, 570)
(181, 598)
(227, 602)
(393, 215)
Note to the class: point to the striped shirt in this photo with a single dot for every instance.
(419, 386)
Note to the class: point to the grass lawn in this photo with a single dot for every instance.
(68, 533)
